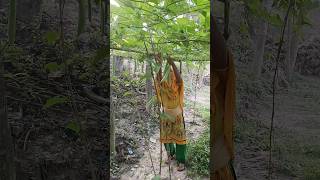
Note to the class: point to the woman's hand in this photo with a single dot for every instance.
(158, 58)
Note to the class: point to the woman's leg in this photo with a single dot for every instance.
(181, 156)
(171, 151)
(170, 148)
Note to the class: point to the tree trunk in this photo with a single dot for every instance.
(112, 131)
(291, 54)
(12, 22)
(102, 18)
(142, 67)
(258, 37)
(288, 53)
(89, 11)
(119, 64)
(135, 67)
(7, 167)
(107, 19)
(256, 65)
(148, 83)
(113, 64)
(294, 52)
(82, 16)
(129, 66)
(28, 9)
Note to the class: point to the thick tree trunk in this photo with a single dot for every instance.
(12, 22)
(7, 167)
(260, 39)
(291, 54)
(288, 53)
(294, 51)
(258, 33)
(28, 9)
(102, 17)
(89, 11)
(82, 16)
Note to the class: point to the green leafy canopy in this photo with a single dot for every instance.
(170, 27)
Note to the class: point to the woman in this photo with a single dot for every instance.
(172, 129)
(223, 108)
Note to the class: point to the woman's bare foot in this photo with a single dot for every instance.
(170, 158)
(181, 167)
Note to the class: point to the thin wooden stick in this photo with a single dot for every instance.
(160, 105)
(274, 89)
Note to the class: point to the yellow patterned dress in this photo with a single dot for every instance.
(222, 117)
(172, 126)
(170, 94)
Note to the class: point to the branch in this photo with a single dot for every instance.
(152, 54)
(274, 88)
(91, 95)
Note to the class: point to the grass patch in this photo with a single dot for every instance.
(298, 157)
(312, 172)
(201, 110)
(251, 131)
(198, 150)
(198, 155)
(293, 154)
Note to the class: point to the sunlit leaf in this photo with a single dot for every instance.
(166, 73)
(51, 37)
(55, 101)
(152, 101)
(126, 94)
(53, 66)
(74, 126)
(157, 177)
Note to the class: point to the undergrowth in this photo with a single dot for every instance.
(198, 150)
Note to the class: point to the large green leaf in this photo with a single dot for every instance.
(157, 177)
(52, 66)
(152, 101)
(166, 73)
(275, 20)
(55, 101)
(51, 37)
(169, 27)
(74, 126)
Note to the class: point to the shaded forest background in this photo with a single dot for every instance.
(56, 77)
(255, 35)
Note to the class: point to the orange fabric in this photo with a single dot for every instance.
(223, 111)
(171, 95)
(223, 174)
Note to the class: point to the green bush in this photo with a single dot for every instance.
(198, 155)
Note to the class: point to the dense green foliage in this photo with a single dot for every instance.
(301, 9)
(180, 29)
